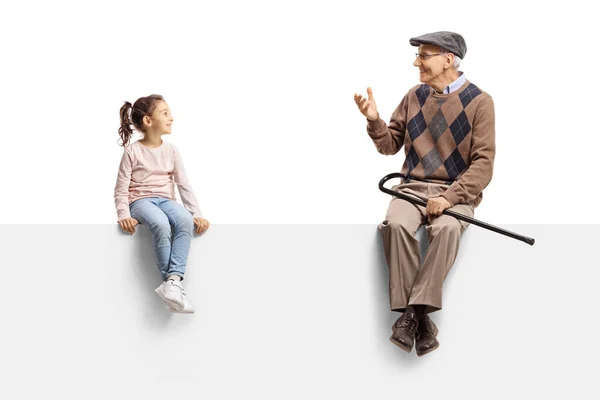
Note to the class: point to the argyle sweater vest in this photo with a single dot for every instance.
(446, 137)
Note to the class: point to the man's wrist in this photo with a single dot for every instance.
(373, 120)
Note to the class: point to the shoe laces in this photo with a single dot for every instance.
(179, 286)
(410, 323)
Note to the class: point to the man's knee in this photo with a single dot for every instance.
(397, 226)
(446, 227)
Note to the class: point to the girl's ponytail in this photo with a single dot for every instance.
(134, 115)
(125, 130)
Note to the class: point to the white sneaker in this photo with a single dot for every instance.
(187, 308)
(172, 293)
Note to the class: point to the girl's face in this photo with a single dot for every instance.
(161, 119)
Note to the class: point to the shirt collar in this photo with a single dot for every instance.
(454, 86)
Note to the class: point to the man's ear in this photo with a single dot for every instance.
(450, 60)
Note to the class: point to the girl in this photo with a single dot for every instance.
(145, 193)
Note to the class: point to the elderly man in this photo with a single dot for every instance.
(446, 126)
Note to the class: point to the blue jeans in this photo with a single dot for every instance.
(171, 245)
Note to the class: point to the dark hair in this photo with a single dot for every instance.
(142, 107)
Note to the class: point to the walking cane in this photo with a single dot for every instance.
(456, 215)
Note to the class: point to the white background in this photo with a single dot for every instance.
(262, 94)
(295, 312)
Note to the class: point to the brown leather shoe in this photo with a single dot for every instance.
(426, 336)
(405, 330)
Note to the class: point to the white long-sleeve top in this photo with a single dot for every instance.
(152, 172)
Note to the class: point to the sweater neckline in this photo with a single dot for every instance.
(448, 95)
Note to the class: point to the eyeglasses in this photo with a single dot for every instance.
(425, 56)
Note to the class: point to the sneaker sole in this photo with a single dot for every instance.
(180, 312)
(173, 304)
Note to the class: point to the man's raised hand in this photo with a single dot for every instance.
(367, 106)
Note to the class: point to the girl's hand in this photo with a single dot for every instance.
(201, 225)
(128, 224)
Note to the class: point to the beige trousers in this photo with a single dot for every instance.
(411, 283)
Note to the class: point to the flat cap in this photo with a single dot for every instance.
(453, 42)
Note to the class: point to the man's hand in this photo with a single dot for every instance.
(128, 224)
(201, 225)
(435, 207)
(367, 106)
